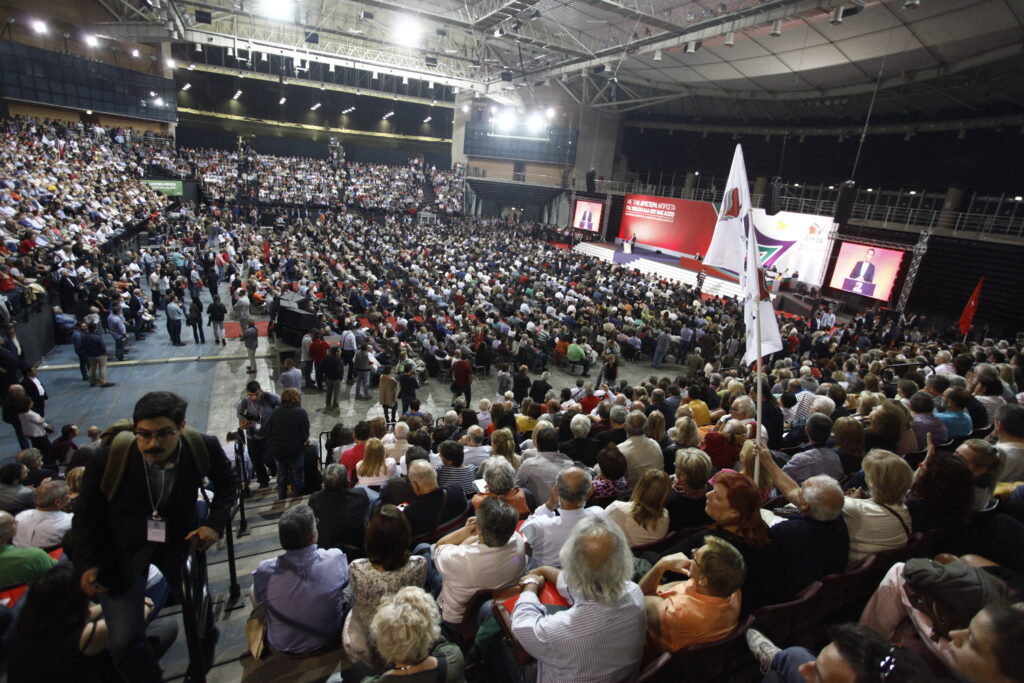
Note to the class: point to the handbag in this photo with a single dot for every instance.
(256, 632)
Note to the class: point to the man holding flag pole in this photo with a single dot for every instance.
(734, 247)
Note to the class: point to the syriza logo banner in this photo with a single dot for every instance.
(793, 244)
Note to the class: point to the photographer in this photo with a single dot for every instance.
(253, 410)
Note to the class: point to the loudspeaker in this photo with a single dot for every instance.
(290, 336)
(430, 60)
(506, 76)
(204, 16)
(295, 319)
(591, 181)
(844, 203)
(771, 198)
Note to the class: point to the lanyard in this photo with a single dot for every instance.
(149, 490)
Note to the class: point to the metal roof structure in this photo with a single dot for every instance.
(766, 61)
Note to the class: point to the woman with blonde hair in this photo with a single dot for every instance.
(881, 522)
(503, 444)
(866, 402)
(684, 434)
(375, 469)
(644, 518)
(656, 428)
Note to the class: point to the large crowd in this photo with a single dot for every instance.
(607, 521)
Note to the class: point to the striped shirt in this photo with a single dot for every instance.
(459, 476)
(588, 643)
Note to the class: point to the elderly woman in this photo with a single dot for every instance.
(686, 502)
(581, 448)
(388, 567)
(499, 475)
(503, 444)
(407, 631)
(644, 518)
(881, 522)
(683, 435)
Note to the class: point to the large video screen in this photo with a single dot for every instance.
(587, 215)
(866, 270)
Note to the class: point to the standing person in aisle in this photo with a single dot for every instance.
(251, 339)
(217, 311)
(175, 318)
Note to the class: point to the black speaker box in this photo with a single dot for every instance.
(290, 335)
(591, 181)
(844, 203)
(771, 199)
(293, 318)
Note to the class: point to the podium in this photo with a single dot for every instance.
(627, 247)
(859, 287)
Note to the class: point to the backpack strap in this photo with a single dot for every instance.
(194, 441)
(117, 461)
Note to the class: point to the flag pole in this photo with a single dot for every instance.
(757, 378)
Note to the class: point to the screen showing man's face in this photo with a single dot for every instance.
(867, 256)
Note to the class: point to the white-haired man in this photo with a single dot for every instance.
(474, 451)
(642, 453)
(46, 525)
(396, 446)
(600, 638)
(814, 543)
(547, 529)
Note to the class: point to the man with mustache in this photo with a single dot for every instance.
(146, 515)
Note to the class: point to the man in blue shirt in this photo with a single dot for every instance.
(302, 589)
(956, 418)
(175, 317)
(116, 326)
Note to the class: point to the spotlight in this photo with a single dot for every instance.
(264, 58)
(776, 28)
(657, 55)
(516, 25)
(428, 119)
(191, 67)
(92, 41)
(408, 31)
(135, 53)
(535, 15)
(535, 123)
(199, 48)
(238, 93)
(169, 63)
(39, 26)
(837, 15)
(330, 68)
(911, 4)
(405, 80)
(159, 101)
(465, 109)
(88, 112)
(730, 38)
(550, 113)
(315, 107)
(282, 100)
(692, 47)
(498, 32)
(186, 87)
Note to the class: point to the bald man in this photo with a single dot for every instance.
(545, 530)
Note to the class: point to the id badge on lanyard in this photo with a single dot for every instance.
(156, 529)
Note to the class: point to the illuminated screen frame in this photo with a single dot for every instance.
(597, 213)
(873, 277)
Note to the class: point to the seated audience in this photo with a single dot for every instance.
(641, 451)
(375, 468)
(942, 496)
(644, 518)
(686, 502)
(881, 521)
(434, 509)
(340, 511)
(453, 470)
(388, 567)
(611, 474)
(606, 608)
(302, 589)
(45, 526)
(816, 457)
(1009, 431)
(499, 478)
(545, 531)
(487, 553)
(19, 565)
(580, 448)
(537, 474)
(982, 459)
(14, 495)
(701, 609)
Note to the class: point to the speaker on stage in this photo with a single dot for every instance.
(591, 180)
(844, 203)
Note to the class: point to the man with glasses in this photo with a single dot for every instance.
(143, 511)
(253, 411)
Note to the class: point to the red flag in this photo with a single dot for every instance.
(967, 317)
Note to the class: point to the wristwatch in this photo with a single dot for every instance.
(529, 580)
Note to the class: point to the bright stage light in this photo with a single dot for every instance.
(39, 26)
(408, 31)
(506, 120)
(536, 124)
(92, 41)
(280, 10)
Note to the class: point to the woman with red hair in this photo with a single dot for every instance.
(734, 505)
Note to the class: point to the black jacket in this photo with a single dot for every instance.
(520, 386)
(286, 432)
(342, 516)
(111, 534)
(333, 370)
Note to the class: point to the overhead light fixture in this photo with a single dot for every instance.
(871, 189)
(376, 75)
(191, 67)
(330, 67)
(962, 134)
(516, 25)
(135, 53)
(1018, 198)
(405, 80)
(264, 57)
(238, 93)
(535, 15)
(159, 101)
(837, 15)
(499, 32)
(428, 119)
(315, 107)
(911, 4)
(152, 93)
(550, 113)
(730, 38)
(657, 55)
(282, 100)
(88, 112)
(776, 28)
(912, 192)
(388, 115)
(349, 110)
(231, 52)
(281, 10)
(170, 63)
(39, 26)
(92, 41)
(692, 46)
(199, 48)
(186, 87)
(408, 30)
(465, 109)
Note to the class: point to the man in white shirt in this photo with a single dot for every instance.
(1009, 428)
(545, 530)
(538, 473)
(474, 452)
(642, 453)
(46, 525)
(486, 553)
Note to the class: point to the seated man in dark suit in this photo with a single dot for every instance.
(340, 511)
(435, 510)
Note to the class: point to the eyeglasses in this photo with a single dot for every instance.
(888, 665)
(143, 435)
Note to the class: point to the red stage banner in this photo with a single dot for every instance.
(679, 225)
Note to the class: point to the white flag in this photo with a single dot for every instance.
(727, 242)
(758, 311)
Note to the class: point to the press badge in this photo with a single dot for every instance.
(156, 530)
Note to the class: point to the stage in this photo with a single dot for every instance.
(646, 260)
